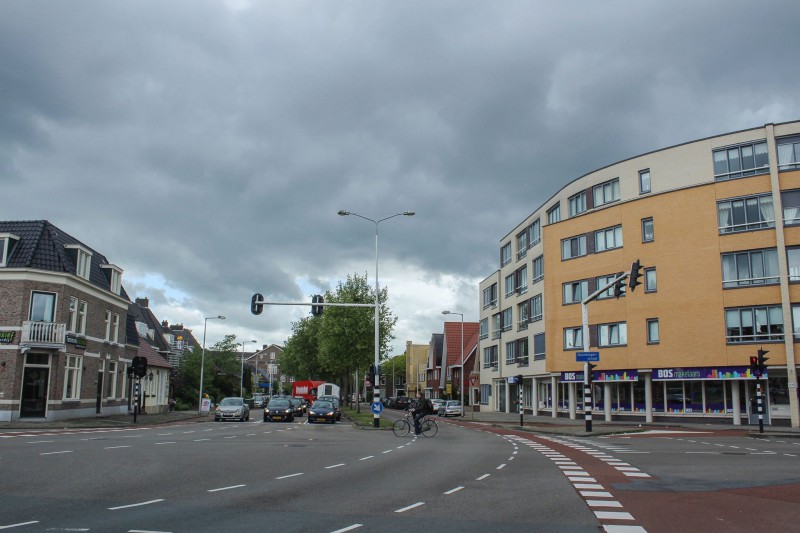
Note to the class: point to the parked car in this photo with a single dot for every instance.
(437, 403)
(401, 403)
(232, 408)
(451, 408)
(335, 401)
(322, 410)
(297, 406)
(279, 409)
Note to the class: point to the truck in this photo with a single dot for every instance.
(329, 389)
(307, 389)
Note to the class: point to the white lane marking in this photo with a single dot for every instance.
(367, 457)
(54, 453)
(502, 466)
(412, 506)
(596, 494)
(636, 474)
(115, 447)
(20, 524)
(603, 503)
(290, 475)
(334, 466)
(168, 442)
(594, 486)
(187, 432)
(612, 515)
(226, 488)
(135, 505)
(200, 440)
(163, 434)
(348, 528)
(624, 529)
(451, 491)
(387, 451)
(482, 477)
(39, 441)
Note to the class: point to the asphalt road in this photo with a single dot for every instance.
(259, 476)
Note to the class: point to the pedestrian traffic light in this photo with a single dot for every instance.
(619, 289)
(636, 273)
(255, 304)
(762, 367)
(139, 366)
(316, 310)
(754, 365)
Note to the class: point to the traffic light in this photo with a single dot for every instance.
(255, 306)
(754, 365)
(139, 366)
(762, 367)
(518, 379)
(619, 289)
(589, 369)
(316, 310)
(636, 273)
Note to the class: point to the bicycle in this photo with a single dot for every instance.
(427, 425)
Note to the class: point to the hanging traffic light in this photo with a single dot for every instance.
(139, 364)
(316, 310)
(619, 289)
(636, 273)
(256, 307)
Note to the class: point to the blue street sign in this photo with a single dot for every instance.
(377, 407)
(587, 357)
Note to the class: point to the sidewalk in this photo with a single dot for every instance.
(113, 421)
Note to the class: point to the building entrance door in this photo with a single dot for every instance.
(34, 392)
(99, 402)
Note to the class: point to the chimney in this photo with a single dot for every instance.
(165, 325)
(142, 302)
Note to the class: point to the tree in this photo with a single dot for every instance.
(221, 375)
(301, 354)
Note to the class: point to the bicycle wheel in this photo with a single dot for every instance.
(401, 428)
(429, 427)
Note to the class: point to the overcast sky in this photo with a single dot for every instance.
(205, 147)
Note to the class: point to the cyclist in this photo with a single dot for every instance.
(421, 409)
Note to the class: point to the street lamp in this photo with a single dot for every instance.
(461, 385)
(241, 372)
(203, 359)
(376, 396)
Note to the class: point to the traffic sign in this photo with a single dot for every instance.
(377, 407)
(586, 357)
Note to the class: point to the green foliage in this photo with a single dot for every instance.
(220, 377)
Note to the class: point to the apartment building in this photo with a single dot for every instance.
(715, 223)
(416, 367)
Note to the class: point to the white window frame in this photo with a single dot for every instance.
(82, 313)
(537, 304)
(554, 214)
(606, 193)
(505, 254)
(72, 318)
(112, 376)
(566, 247)
(645, 186)
(653, 336)
(509, 285)
(577, 204)
(573, 338)
(608, 239)
(72, 377)
(652, 236)
(5, 246)
(115, 327)
(574, 292)
(108, 325)
(613, 334)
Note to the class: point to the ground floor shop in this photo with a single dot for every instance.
(720, 393)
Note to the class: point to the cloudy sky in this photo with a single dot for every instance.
(206, 146)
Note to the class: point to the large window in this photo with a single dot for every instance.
(554, 214)
(536, 308)
(612, 334)
(536, 232)
(521, 276)
(644, 181)
(523, 311)
(791, 207)
(72, 320)
(490, 357)
(602, 281)
(538, 269)
(522, 245)
(490, 296)
(522, 352)
(577, 204)
(789, 153)
(652, 331)
(745, 214)
(505, 254)
(754, 324)
(608, 239)
(793, 259)
(573, 338)
(745, 269)
(573, 247)
(72, 378)
(506, 322)
(496, 326)
(648, 230)
(511, 352)
(741, 161)
(606, 192)
(575, 292)
(509, 284)
(43, 306)
(650, 280)
(484, 328)
(538, 347)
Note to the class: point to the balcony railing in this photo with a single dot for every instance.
(43, 333)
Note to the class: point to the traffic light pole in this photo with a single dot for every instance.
(759, 399)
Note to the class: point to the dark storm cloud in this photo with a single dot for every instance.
(213, 143)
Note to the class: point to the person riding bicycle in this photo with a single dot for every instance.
(421, 409)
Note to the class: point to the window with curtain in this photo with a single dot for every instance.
(608, 239)
(538, 268)
(644, 181)
(577, 204)
(793, 260)
(612, 334)
(754, 324)
(751, 268)
(536, 308)
(575, 291)
(741, 161)
(652, 331)
(606, 192)
(536, 232)
(573, 247)
(788, 153)
(511, 352)
(791, 207)
(745, 214)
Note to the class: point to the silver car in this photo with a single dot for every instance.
(232, 408)
(451, 408)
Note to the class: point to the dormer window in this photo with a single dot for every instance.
(83, 259)
(114, 275)
(7, 241)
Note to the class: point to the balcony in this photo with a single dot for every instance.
(43, 334)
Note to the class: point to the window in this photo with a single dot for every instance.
(522, 245)
(536, 308)
(747, 214)
(648, 231)
(606, 193)
(791, 207)
(490, 296)
(754, 324)
(506, 319)
(496, 326)
(650, 280)
(509, 284)
(608, 239)
(522, 352)
(81, 326)
(575, 292)
(602, 281)
(511, 352)
(83, 259)
(644, 181)
(42, 306)
(573, 247)
(796, 321)
(115, 328)
(538, 269)
(573, 338)
(577, 204)
(523, 311)
(612, 334)
(536, 233)
(108, 326)
(554, 214)
(490, 357)
(793, 259)
(745, 269)
(72, 378)
(538, 347)
(7, 241)
(505, 254)
(521, 280)
(486, 394)
(111, 380)
(72, 319)
(741, 161)
(789, 153)
(652, 331)
(484, 328)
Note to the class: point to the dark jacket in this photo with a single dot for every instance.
(423, 406)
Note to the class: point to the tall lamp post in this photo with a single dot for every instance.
(376, 396)
(203, 359)
(241, 372)
(461, 385)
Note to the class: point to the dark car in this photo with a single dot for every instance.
(297, 405)
(279, 409)
(335, 401)
(322, 410)
(401, 403)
